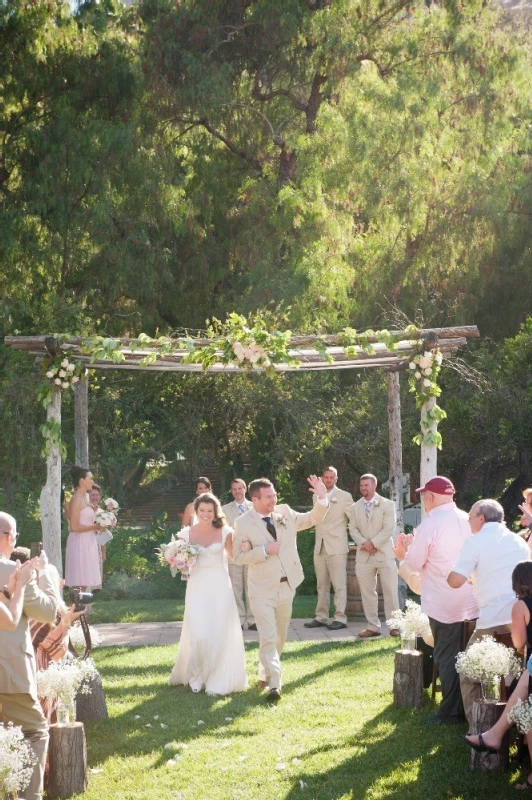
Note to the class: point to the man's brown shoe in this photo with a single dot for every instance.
(368, 634)
(395, 632)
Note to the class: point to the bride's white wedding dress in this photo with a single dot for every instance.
(211, 651)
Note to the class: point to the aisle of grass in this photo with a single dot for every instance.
(334, 735)
(170, 610)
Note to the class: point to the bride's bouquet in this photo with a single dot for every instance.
(17, 760)
(106, 518)
(180, 556)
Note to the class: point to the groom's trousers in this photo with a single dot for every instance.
(272, 617)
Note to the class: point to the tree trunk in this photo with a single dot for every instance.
(81, 422)
(408, 679)
(68, 760)
(92, 707)
(51, 492)
(484, 716)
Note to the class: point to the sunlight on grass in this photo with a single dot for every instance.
(335, 734)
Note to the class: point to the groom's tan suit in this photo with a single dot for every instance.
(238, 572)
(377, 527)
(18, 682)
(330, 556)
(273, 579)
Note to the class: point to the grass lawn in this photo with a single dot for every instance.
(171, 610)
(334, 735)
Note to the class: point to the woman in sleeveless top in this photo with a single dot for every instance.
(491, 739)
(203, 486)
(211, 651)
(82, 567)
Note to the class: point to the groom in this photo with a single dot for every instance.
(274, 568)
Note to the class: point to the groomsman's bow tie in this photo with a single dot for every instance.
(271, 527)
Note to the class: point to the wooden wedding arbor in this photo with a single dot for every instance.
(312, 352)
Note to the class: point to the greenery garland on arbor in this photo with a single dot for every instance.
(248, 346)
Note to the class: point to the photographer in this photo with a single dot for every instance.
(18, 685)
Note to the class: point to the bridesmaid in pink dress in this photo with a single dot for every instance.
(82, 558)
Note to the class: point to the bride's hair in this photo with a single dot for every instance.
(219, 517)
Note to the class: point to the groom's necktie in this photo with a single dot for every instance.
(271, 527)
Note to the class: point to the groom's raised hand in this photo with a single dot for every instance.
(317, 487)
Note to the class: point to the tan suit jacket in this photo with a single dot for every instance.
(377, 528)
(17, 659)
(232, 512)
(333, 530)
(266, 572)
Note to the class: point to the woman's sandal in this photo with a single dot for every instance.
(481, 747)
(524, 787)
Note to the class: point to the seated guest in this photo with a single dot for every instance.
(526, 519)
(489, 557)
(522, 638)
(18, 686)
(424, 565)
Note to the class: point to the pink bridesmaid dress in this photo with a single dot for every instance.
(82, 558)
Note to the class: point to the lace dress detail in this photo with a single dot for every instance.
(211, 651)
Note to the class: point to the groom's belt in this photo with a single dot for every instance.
(284, 579)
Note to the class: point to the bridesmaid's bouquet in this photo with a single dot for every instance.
(180, 556)
(106, 518)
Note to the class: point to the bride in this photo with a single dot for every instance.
(211, 651)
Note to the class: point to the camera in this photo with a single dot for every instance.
(80, 599)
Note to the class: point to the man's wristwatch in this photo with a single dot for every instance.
(6, 593)
(265, 550)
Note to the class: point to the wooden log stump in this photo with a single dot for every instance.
(408, 679)
(92, 707)
(67, 755)
(484, 716)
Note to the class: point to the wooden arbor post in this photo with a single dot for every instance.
(396, 461)
(51, 493)
(428, 466)
(81, 422)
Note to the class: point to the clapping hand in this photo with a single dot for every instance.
(317, 487)
(402, 544)
(526, 519)
(41, 562)
(21, 575)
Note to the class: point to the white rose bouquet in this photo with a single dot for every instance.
(180, 556)
(411, 622)
(487, 660)
(106, 518)
(17, 760)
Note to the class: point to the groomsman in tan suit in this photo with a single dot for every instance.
(330, 555)
(268, 534)
(238, 572)
(372, 528)
(18, 682)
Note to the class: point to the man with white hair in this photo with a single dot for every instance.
(19, 703)
(488, 558)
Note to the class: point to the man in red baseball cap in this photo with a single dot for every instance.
(432, 553)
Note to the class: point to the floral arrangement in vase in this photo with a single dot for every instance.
(521, 715)
(412, 622)
(487, 661)
(62, 681)
(17, 760)
(77, 637)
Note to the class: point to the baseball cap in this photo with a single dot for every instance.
(438, 485)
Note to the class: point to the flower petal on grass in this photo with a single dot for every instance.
(96, 771)
(229, 719)
(280, 766)
(163, 725)
(302, 784)
(200, 722)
